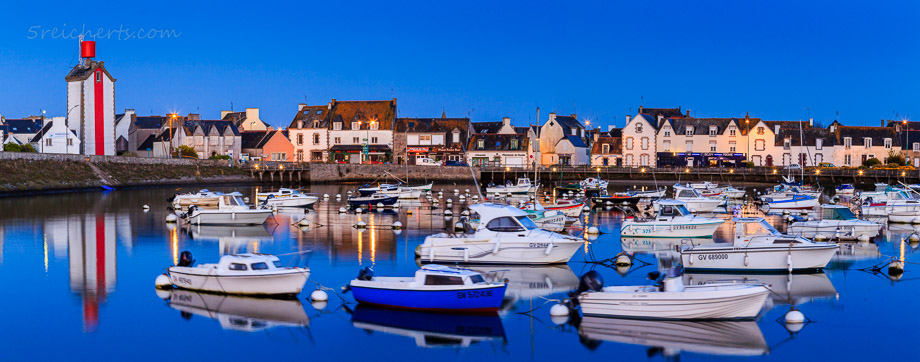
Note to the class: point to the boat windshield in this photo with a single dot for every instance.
(528, 224)
(759, 228)
(838, 213)
(477, 279)
(688, 193)
(674, 210)
(237, 201)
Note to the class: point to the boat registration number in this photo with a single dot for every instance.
(539, 245)
(181, 280)
(713, 257)
(474, 294)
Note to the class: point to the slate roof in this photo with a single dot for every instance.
(309, 114)
(616, 132)
(28, 125)
(860, 133)
(149, 122)
(346, 112)
(487, 127)
(567, 123)
(237, 118)
(147, 144)
(432, 125)
(616, 146)
(576, 141)
(700, 125)
(41, 133)
(810, 134)
(498, 142)
(652, 122)
(255, 139)
(666, 112)
(206, 126)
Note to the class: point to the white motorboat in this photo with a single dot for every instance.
(695, 202)
(403, 192)
(204, 199)
(423, 188)
(671, 299)
(571, 208)
(673, 221)
(705, 185)
(523, 186)
(720, 338)
(785, 191)
(796, 202)
(504, 235)
(249, 274)
(879, 195)
(285, 197)
(896, 204)
(757, 245)
(845, 189)
(238, 313)
(368, 190)
(837, 222)
(732, 192)
(433, 288)
(230, 210)
(593, 184)
(546, 219)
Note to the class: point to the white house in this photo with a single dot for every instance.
(639, 140)
(500, 150)
(855, 145)
(700, 142)
(309, 133)
(54, 137)
(562, 141)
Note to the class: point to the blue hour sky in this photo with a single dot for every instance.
(778, 60)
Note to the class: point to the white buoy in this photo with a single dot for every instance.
(804, 213)
(304, 222)
(349, 192)
(794, 317)
(319, 305)
(820, 237)
(325, 196)
(623, 260)
(359, 210)
(593, 230)
(163, 282)
(396, 205)
(863, 238)
(171, 218)
(785, 212)
(449, 201)
(895, 267)
(914, 237)
(319, 295)
(360, 224)
(146, 207)
(456, 191)
(338, 196)
(465, 213)
(448, 213)
(559, 310)
(462, 198)
(397, 225)
(458, 226)
(343, 210)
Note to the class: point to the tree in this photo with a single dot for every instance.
(28, 148)
(872, 162)
(895, 158)
(187, 151)
(12, 147)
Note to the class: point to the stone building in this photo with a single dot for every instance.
(441, 139)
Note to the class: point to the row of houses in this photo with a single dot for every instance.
(371, 132)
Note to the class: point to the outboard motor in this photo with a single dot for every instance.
(366, 274)
(185, 259)
(591, 281)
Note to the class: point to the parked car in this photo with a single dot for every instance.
(793, 166)
(455, 163)
(425, 161)
(826, 165)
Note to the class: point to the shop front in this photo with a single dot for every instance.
(356, 154)
(700, 159)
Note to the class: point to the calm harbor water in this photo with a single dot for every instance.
(79, 270)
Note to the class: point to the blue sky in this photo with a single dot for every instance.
(777, 60)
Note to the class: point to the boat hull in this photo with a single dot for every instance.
(669, 230)
(568, 210)
(734, 302)
(841, 231)
(460, 250)
(373, 202)
(279, 284)
(240, 217)
(294, 202)
(770, 258)
(465, 299)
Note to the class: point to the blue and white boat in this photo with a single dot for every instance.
(796, 202)
(845, 189)
(368, 190)
(434, 287)
(373, 200)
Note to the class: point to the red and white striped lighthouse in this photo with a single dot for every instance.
(91, 103)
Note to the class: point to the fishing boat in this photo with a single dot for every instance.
(430, 329)
(673, 220)
(368, 190)
(671, 299)
(758, 246)
(796, 202)
(845, 189)
(248, 274)
(285, 197)
(571, 208)
(434, 287)
(695, 202)
(372, 200)
(523, 186)
(504, 235)
(671, 338)
(240, 313)
(230, 210)
(837, 222)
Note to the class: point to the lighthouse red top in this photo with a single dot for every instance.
(88, 49)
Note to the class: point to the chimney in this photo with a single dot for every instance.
(194, 117)
(688, 112)
(574, 116)
(224, 114)
(883, 123)
(628, 117)
(811, 122)
(776, 129)
(506, 121)
(252, 113)
(300, 106)
(660, 118)
(640, 109)
(552, 116)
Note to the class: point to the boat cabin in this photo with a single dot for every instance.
(837, 212)
(757, 231)
(502, 218)
(686, 193)
(672, 208)
(246, 264)
(523, 181)
(434, 274)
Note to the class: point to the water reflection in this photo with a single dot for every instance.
(791, 289)
(92, 259)
(232, 239)
(671, 338)
(430, 329)
(530, 282)
(239, 313)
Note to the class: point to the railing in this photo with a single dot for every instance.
(276, 166)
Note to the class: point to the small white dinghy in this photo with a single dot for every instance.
(286, 197)
(671, 299)
(246, 274)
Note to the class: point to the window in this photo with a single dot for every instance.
(819, 143)
(644, 143)
(629, 159)
(337, 140)
(259, 266)
(316, 138)
(319, 112)
(278, 264)
(337, 126)
(712, 146)
(98, 77)
(514, 144)
(916, 146)
(424, 138)
(629, 143)
(504, 224)
(374, 126)
(666, 145)
(605, 148)
(373, 140)
(279, 156)
(689, 146)
(300, 139)
(481, 144)
(887, 143)
(667, 133)
(713, 131)
(731, 131)
(847, 142)
(689, 131)
(356, 140)
(70, 141)
(787, 143)
(315, 124)
(643, 159)
(300, 155)
(638, 127)
(528, 224)
(456, 137)
(237, 266)
(846, 160)
(443, 280)
(760, 130)
(355, 126)
(868, 142)
(48, 142)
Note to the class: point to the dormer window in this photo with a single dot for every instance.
(574, 132)
(315, 124)
(819, 143)
(355, 126)
(374, 126)
(318, 112)
(689, 131)
(916, 146)
(847, 142)
(713, 131)
(787, 143)
(481, 144)
(337, 126)
(868, 142)
(887, 143)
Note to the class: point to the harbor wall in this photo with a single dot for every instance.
(329, 173)
(36, 172)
